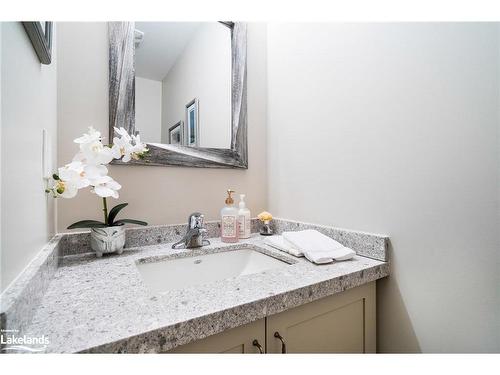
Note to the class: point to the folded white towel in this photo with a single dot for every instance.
(311, 239)
(278, 243)
(317, 247)
(322, 257)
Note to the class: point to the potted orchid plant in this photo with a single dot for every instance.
(88, 169)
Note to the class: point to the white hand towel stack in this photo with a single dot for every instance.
(317, 247)
(279, 243)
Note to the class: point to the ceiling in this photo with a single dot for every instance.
(162, 43)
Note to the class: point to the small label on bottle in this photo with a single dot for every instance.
(244, 226)
(228, 226)
(242, 222)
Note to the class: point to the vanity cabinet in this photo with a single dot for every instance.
(242, 340)
(342, 323)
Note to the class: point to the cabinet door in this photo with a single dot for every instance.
(236, 340)
(342, 323)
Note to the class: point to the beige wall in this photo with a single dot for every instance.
(202, 71)
(159, 195)
(393, 128)
(28, 105)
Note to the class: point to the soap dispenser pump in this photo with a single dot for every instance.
(229, 220)
(244, 218)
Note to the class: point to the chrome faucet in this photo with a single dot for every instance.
(194, 234)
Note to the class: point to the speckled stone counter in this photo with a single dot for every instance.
(86, 304)
(103, 305)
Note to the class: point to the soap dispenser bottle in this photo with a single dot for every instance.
(243, 218)
(229, 220)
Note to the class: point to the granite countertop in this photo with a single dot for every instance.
(103, 305)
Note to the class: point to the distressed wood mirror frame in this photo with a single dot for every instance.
(122, 104)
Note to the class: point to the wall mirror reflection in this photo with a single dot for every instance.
(183, 79)
(182, 87)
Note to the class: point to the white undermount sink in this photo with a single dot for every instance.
(179, 273)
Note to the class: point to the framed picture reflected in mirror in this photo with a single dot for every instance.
(176, 134)
(192, 123)
(40, 34)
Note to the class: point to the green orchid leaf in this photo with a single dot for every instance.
(87, 224)
(129, 221)
(114, 211)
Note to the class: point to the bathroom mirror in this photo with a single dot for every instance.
(182, 87)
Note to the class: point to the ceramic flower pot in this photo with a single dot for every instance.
(107, 240)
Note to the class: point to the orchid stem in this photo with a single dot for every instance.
(105, 209)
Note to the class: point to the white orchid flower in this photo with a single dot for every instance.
(92, 151)
(77, 175)
(105, 186)
(127, 147)
(94, 172)
(121, 148)
(74, 173)
(70, 178)
(64, 189)
(122, 132)
(88, 166)
(139, 148)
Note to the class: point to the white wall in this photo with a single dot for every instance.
(393, 128)
(202, 71)
(159, 195)
(28, 104)
(148, 109)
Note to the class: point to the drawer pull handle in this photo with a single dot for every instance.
(256, 343)
(283, 344)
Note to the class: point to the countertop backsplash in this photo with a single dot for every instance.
(366, 244)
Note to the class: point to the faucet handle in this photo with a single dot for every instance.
(195, 233)
(196, 220)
